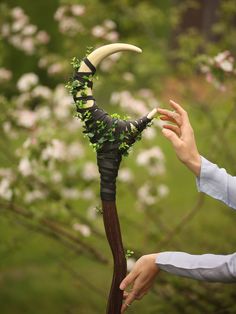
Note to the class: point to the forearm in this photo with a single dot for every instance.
(217, 183)
(207, 267)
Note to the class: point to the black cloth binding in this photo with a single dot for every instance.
(109, 155)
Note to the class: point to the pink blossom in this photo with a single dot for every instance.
(98, 31)
(87, 194)
(16, 40)
(70, 193)
(43, 113)
(19, 24)
(5, 74)
(34, 195)
(163, 190)
(112, 36)
(106, 65)
(62, 102)
(25, 167)
(227, 66)
(209, 77)
(5, 30)
(55, 68)
(83, 229)
(55, 150)
(17, 12)
(130, 263)
(42, 37)
(149, 133)
(75, 150)
(60, 12)
(27, 81)
(56, 176)
(129, 77)
(225, 61)
(27, 45)
(5, 189)
(41, 91)
(90, 171)
(109, 24)
(26, 118)
(125, 175)
(92, 212)
(29, 30)
(147, 195)
(153, 160)
(78, 9)
(70, 26)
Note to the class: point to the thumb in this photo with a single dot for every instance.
(128, 280)
(172, 137)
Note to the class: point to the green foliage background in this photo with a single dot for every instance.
(46, 266)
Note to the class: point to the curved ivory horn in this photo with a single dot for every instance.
(96, 57)
(101, 53)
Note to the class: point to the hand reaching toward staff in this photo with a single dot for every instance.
(181, 135)
(140, 278)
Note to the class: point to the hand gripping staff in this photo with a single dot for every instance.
(111, 137)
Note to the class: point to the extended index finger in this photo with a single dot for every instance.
(184, 115)
(177, 107)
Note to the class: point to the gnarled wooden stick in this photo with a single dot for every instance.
(111, 137)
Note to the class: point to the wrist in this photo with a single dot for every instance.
(194, 164)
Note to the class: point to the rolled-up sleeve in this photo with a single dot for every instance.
(206, 267)
(217, 183)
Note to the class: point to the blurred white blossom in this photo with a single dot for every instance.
(27, 81)
(131, 104)
(42, 37)
(87, 194)
(163, 190)
(56, 176)
(25, 167)
(21, 33)
(41, 91)
(55, 68)
(147, 194)
(98, 31)
(78, 9)
(83, 229)
(125, 175)
(29, 30)
(5, 75)
(75, 150)
(60, 12)
(149, 133)
(34, 195)
(225, 61)
(129, 77)
(91, 212)
(153, 160)
(26, 118)
(109, 24)
(70, 193)
(112, 36)
(90, 171)
(55, 150)
(62, 102)
(5, 189)
(130, 263)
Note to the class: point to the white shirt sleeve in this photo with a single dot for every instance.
(217, 183)
(207, 267)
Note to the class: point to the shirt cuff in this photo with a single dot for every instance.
(206, 174)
